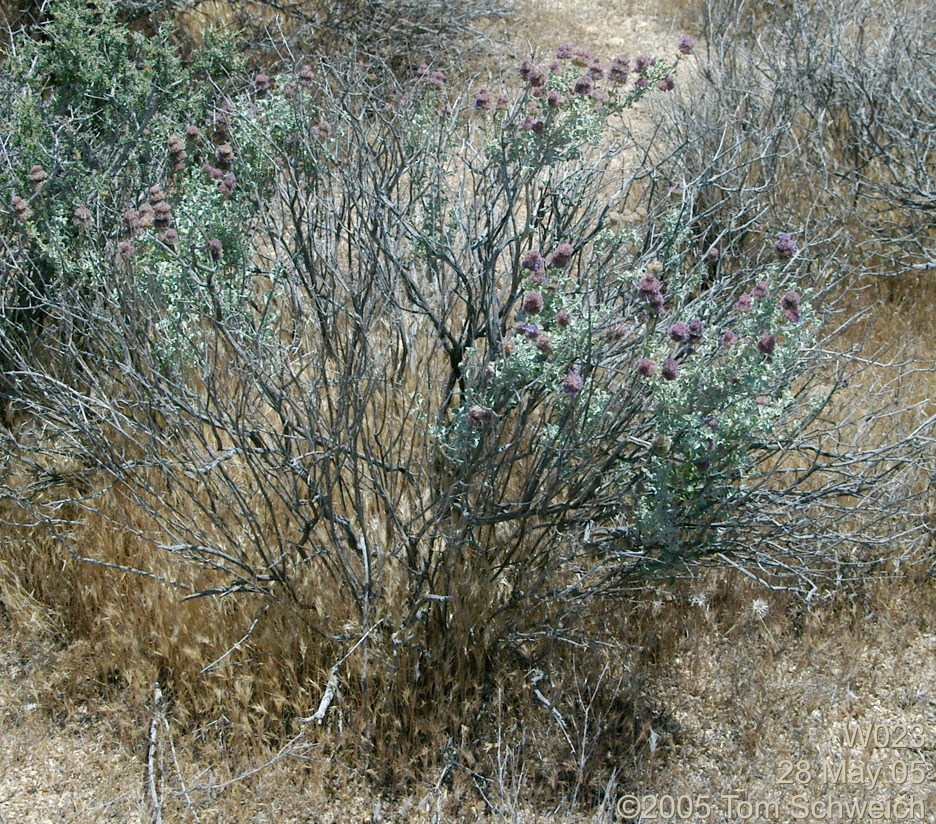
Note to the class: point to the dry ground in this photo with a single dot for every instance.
(754, 684)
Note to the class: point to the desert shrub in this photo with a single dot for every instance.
(443, 381)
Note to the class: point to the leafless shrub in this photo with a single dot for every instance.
(821, 114)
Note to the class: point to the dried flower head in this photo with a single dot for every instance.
(508, 347)
(170, 237)
(82, 217)
(162, 214)
(729, 338)
(306, 76)
(544, 344)
(261, 85)
(125, 249)
(37, 175)
(131, 221)
(227, 184)
(215, 249)
(655, 266)
(147, 216)
(156, 194)
(615, 333)
(670, 369)
(713, 255)
(192, 132)
(21, 210)
(563, 318)
(224, 156)
(646, 368)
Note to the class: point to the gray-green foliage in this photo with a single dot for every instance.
(88, 106)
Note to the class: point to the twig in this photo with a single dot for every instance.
(151, 754)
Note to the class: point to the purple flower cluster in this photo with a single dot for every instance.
(620, 69)
(560, 257)
(431, 77)
(745, 303)
(686, 44)
(478, 416)
(679, 332)
(572, 383)
(790, 304)
(227, 184)
(533, 303)
(646, 368)
(261, 85)
(649, 289)
(530, 330)
(670, 369)
(534, 263)
(766, 343)
(483, 99)
(785, 246)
